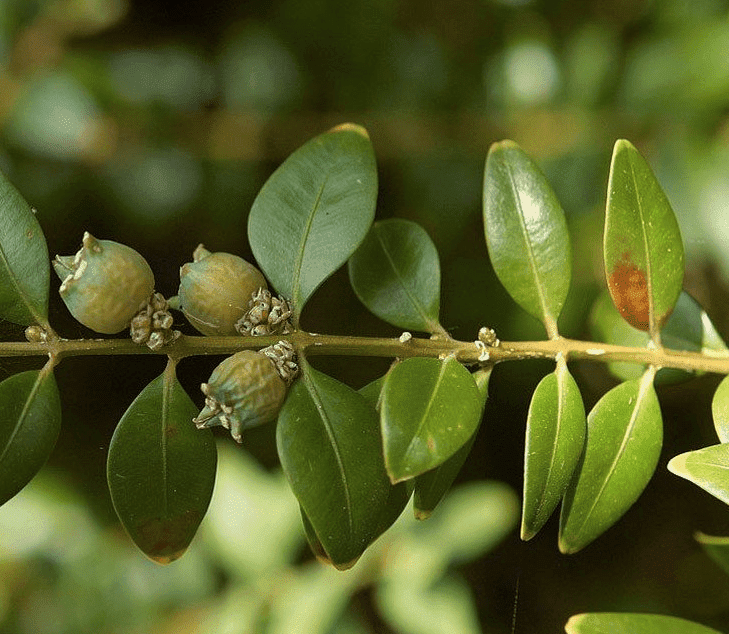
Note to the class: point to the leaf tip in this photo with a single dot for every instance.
(573, 623)
(169, 558)
(422, 514)
(677, 465)
(351, 127)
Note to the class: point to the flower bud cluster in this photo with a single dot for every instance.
(267, 315)
(152, 325)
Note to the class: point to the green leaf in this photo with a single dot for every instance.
(161, 469)
(30, 421)
(716, 547)
(720, 410)
(329, 446)
(643, 249)
(526, 233)
(707, 468)
(314, 211)
(429, 410)
(624, 436)
(395, 272)
(612, 623)
(555, 437)
(431, 486)
(24, 264)
(688, 328)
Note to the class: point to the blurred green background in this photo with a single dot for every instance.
(155, 123)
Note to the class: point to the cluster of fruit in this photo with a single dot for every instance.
(109, 287)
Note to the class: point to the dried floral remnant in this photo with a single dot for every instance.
(629, 289)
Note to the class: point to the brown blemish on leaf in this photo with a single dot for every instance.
(629, 289)
(166, 539)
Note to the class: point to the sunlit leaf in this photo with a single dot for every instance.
(30, 421)
(707, 468)
(161, 469)
(687, 328)
(431, 486)
(555, 437)
(24, 264)
(643, 249)
(624, 436)
(717, 547)
(314, 211)
(395, 272)
(429, 410)
(720, 410)
(526, 233)
(329, 446)
(612, 623)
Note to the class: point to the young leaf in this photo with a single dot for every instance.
(431, 486)
(396, 274)
(688, 328)
(707, 468)
(329, 446)
(526, 233)
(612, 623)
(161, 469)
(624, 436)
(555, 437)
(720, 410)
(314, 211)
(643, 249)
(429, 409)
(24, 265)
(30, 421)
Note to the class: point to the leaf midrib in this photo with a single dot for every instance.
(23, 414)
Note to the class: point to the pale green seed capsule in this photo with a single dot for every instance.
(243, 391)
(215, 290)
(104, 284)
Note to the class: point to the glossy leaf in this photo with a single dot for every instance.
(555, 437)
(526, 233)
(398, 494)
(707, 468)
(717, 547)
(688, 328)
(24, 264)
(314, 211)
(612, 623)
(429, 410)
(720, 410)
(624, 436)
(161, 469)
(643, 250)
(30, 421)
(431, 486)
(395, 272)
(329, 446)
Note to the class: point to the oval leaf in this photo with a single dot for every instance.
(429, 410)
(688, 328)
(555, 437)
(707, 468)
(720, 410)
(30, 421)
(612, 623)
(624, 436)
(395, 273)
(526, 233)
(431, 487)
(329, 446)
(643, 249)
(161, 469)
(24, 264)
(314, 211)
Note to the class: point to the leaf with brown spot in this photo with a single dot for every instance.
(644, 260)
(161, 469)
